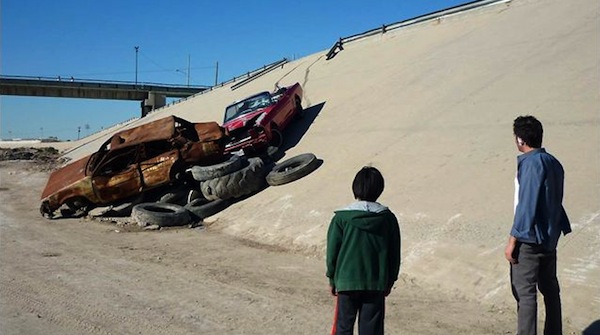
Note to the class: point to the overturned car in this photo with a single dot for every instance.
(131, 162)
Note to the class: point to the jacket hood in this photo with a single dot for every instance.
(365, 215)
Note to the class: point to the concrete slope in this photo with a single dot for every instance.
(432, 106)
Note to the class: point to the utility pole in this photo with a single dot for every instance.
(188, 72)
(217, 73)
(137, 49)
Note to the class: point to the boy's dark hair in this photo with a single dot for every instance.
(368, 184)
(530, 130)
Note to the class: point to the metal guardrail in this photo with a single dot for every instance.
(338, 46)
(265, 69)
(247, 77)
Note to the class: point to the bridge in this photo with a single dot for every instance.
(150, 95)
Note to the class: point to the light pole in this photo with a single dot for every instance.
(137, 49)
(216, 73)
(188, 72)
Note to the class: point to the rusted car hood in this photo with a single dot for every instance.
(66, 175)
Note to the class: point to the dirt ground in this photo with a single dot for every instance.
(77, 276)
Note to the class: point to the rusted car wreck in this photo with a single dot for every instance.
(131, 162)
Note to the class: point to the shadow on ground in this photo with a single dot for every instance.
(297, 129)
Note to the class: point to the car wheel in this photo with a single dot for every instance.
(203, 173)
(292, 169)
(239, 183)
(202, 208)
(276, 142)
(124, 208)
(163, 215)
(299, 109)
(276, 138)
(75, 207)
(272, 151)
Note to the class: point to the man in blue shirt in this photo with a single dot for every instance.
(539, 220)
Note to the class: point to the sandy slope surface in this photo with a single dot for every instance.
(432, 106)
(80, 277)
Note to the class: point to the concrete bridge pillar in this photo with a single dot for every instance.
(152, 102)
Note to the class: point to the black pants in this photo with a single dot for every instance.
(370, 307)
(536, 269)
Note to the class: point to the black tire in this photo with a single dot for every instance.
(292, 169)
(163, 215)
(204, 173)
(75, 207)
(201, 208)
(299, 109)
(125, 208)
(236, 184)
(276, 138)
(272, 151)
(176, 194)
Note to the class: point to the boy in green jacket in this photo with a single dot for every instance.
(363, 257)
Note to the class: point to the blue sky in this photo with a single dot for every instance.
(94, 39)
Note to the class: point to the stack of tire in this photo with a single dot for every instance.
(215, 187)
(220, 184)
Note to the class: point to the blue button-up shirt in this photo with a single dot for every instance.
(539, 214)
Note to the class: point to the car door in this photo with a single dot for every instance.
(117, 176)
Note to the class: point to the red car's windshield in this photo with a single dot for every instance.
(248, 105)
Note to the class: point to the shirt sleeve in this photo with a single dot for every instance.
(334, 243)
(531, 179)
(395, 247)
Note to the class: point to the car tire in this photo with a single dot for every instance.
(204, 173)
(202, 208)
(75, 207)
(299, 109)
(272, 151)
(177, 196)
(125, 208)
(292, 169)
(160, 214)
(237, 184)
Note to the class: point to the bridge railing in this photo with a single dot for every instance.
(74, 81)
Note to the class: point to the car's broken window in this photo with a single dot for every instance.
(249, 105)
(117, 161)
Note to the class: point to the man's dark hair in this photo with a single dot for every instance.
(368, 184)
(530, 130)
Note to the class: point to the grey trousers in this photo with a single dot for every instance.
(535, 269)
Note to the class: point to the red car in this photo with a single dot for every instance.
(257, 122)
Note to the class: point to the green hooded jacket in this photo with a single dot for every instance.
(363, 248)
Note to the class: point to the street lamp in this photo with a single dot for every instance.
(187, 73)
(137, 49)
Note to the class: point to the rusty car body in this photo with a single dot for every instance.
(133, 161)
(256, 122)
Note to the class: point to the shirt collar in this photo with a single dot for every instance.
(521, 157)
